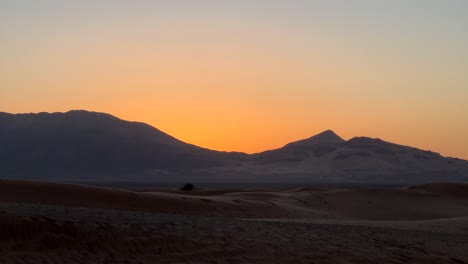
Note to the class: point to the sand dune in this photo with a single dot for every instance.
(446, 188)
(458, 225)
(24, 191)
(414, 203)
(384, 204)
(63, 223)
(56, 234)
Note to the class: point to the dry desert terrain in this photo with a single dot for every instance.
(64, 223)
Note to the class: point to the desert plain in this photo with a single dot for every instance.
(42, 222)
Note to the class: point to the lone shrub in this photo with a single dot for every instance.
(187, 187)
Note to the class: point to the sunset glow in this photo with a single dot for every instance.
(246, 75)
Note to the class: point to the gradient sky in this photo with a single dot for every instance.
(246, 75)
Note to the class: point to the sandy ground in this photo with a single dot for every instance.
(59, 223)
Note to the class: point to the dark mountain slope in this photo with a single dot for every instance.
(81, 144)
(359, 159)
(317, 145)
(84, 146)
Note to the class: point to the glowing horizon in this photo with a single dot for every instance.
(274, 146)
(246, 75)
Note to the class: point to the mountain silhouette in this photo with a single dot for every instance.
(81, 144)
(325, 137)
(317, 145)
(84, 146)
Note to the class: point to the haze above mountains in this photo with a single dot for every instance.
(90, 146)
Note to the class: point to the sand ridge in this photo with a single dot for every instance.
(414, 203)
(62, 234)
(43, 222)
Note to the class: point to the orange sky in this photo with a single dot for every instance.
(229, 77)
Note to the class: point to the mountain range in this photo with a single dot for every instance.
(90, 146)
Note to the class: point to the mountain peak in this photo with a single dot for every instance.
(327, 136)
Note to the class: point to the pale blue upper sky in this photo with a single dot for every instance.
(397, 68)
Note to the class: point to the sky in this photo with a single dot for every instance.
(246, 75)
